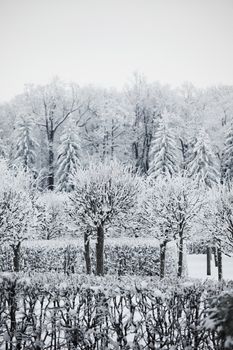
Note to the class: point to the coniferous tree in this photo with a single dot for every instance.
(203, 164)
(163, 152)
(227, 157)
(2, 146)
(68, 159)
(25, 148)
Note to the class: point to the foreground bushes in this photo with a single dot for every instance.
(125, 256)
(54, 311)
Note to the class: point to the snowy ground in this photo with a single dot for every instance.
(197, 267)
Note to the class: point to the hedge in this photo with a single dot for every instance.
(122, 256)
(56, 311)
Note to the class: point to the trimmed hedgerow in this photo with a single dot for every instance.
(56, 311)
(122, 256)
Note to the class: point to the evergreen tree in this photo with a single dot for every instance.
(2, 146)
(25, 147)
(163, 152)
(68, 159)
(203, 164)
(227, 157)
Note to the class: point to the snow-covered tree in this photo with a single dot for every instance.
(219, 318)
(163, 151)
(146, 102)
(15, 209)
(218, 221)
(203, 165)
(153, 218)
(51, 220)
(105, 136)
(53, 105)
(25, 144)
(104, 194)
(227, 157)
(68, 159)
(172, 209)
(2, 146)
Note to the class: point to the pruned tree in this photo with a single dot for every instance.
(174, 206)
(154, 220)
(103, 195)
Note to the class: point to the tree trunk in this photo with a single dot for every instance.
(51, 161)
(16, 257)
(87, 253)
(135, 149)
(219, 253)
(208, 257)
(215, 256)
(181, 255)
(162, 258)
(112, 139)
(100, 251)
(12, 302)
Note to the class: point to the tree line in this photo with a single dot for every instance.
(141, 158)
(54, 128)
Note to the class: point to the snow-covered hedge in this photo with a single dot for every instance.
(56, 311)
(122, 256)
(220, 317)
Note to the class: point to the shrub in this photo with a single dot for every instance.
(86, 312)
(122, 256)
(220, 317)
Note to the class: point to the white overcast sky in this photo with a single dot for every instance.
(103, 42)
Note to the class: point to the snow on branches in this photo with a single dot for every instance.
(51, 220)
(163, 150)
(25, 144)
(203, 164)
(68, 159)
(104, 194)
(171, 207)
(15, 208)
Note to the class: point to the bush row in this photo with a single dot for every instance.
(56, 311)
(121, 257)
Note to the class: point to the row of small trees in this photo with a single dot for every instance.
(109, 195)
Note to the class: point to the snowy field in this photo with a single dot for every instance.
(197, 267)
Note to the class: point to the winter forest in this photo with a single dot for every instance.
(110, 200)
(116, 175)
